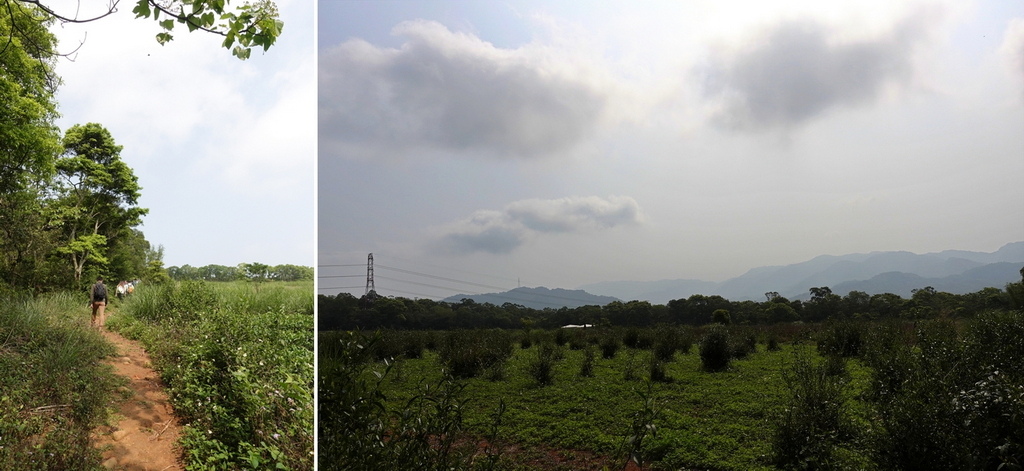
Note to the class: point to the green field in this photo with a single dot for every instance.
(848, 395)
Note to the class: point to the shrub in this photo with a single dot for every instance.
(467, 353)
(843, 338)
(609, 346)
(668, 341)
(814, 427)
(561, 337)
(952, 402)
(542, 366)
(629, 372)
(587, 366)
(357, 431)
(656, 370)
(631, 338)
(715, 353)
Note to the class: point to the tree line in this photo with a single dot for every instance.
(347, 312)
(68, 202)
(242, 271)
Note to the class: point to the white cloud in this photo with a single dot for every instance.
(453, 92)
(504, 231)
(1012, 50)
(800, 69)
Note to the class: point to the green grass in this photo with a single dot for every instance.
(721, 420)
(53, 387)
(238, 361)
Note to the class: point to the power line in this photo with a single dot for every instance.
(436, 277)
(459, 291)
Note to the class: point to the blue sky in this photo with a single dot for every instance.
(556, 144)
(224, 149)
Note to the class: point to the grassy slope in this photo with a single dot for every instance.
(53, 387)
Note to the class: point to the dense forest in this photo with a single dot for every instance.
(346, 312)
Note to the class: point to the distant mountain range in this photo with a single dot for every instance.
(537, 298)
(954, 271)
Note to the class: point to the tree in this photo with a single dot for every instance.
(243, 28)
(155, 272)
(823, 304)
(29, 143)
(96, 196)
(292, 273)
(256, 271)
(780, 312)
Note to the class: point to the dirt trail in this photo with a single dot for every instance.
(146, 431)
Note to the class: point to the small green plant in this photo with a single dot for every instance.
(642, 426)
(656, 370)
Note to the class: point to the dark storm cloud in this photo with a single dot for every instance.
(798, 71)
(450, 91)
(503, 231)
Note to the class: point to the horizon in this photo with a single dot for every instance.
(358, 271)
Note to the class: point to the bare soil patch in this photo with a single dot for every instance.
(146, 431)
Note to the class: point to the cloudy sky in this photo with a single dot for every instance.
(224, 149)
(563, 143)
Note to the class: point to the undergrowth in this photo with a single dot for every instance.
(53, 387)
(238, 363)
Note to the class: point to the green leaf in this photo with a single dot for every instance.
(192, 23)
(167, 24)
(141, 9)
(164, 38)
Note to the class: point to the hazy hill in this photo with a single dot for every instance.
(537, 298)
(955, 271)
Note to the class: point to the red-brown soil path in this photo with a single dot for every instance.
(144, 430)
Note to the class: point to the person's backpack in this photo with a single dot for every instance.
(99, 292)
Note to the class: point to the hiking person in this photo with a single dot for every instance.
(98, 297)
(122, 289)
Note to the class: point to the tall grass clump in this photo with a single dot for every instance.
(53, 387)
